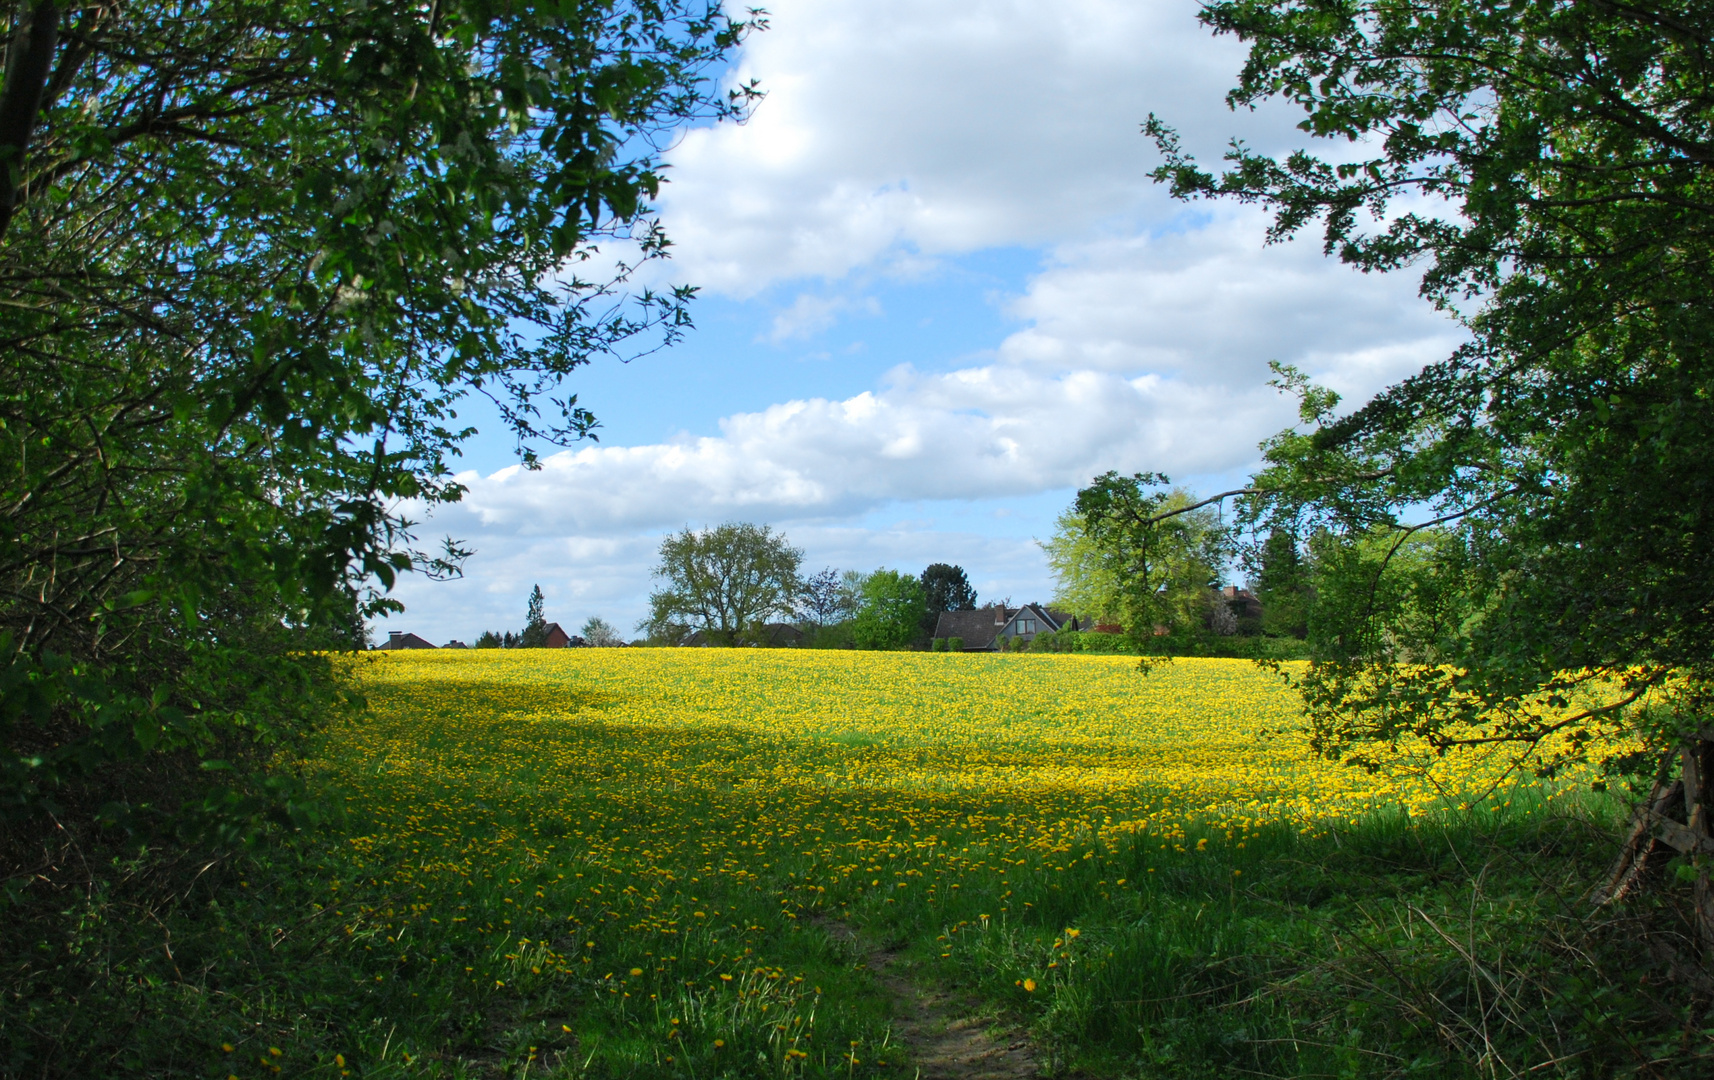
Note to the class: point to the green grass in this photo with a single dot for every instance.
(1454, 947)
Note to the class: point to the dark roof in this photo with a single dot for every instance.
(779, 635)
(1243, 602)
(977, 628)
(774, 635)
(398, 639)
(1057, 620)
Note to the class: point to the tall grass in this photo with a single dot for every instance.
(1456, 946)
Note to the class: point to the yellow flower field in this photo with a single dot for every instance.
(643, 838)
(836, 756)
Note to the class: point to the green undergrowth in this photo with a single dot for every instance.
(1463, 946)
(1460, 946)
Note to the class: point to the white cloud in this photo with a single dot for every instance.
(897, 134)
(810, 315)
(901, 126)
(1141, 354)
(976, 433)
(1213, 305)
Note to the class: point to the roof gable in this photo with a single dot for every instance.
(402, 640)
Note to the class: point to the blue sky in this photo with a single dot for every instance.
(938, 293)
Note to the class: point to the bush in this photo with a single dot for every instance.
(1054, 641)
(954, 644)
(892, 613)
(839, 635)
(1081, 641)
(1089, 641)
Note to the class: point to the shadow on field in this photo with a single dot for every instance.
(1387, 949)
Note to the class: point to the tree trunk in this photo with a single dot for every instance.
(29, 59)
(1674, 819)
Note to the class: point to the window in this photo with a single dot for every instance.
(1026, 626)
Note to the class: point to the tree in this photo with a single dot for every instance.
(851, 584)
(946, 588)
(600, 633)
(535, 632)
(726, 581)
(1163, 550)
(1085, 581)
(1547, 484)
(892, 611)
(825, 599)
(252, 258)
(1282, 585)
(828, 604)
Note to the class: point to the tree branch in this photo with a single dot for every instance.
(28, 62)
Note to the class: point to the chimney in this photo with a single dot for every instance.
(394, 635)
(999, 614)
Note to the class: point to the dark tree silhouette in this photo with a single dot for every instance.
(946, 588)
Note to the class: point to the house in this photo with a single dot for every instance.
(779, 635)
(398, 639)
(986, 629)
(1234, 611)
(556, 638)
(774, 635)
(455, 644)
(1242, 602)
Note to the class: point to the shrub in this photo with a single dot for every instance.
(1080, 641)
(1054, 641)
(892, 613)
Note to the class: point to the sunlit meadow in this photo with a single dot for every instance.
(628, 861)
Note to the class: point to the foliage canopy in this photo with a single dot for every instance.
(1160, 555)
(947, 588)
(252, 258)
(893, 610)
(726, 581)
(1529, 518)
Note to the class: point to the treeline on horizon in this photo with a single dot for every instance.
(739, 584)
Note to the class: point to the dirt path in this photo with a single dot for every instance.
(948, 1034)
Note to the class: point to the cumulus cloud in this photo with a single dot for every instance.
(1213, 305)
(897, 133)
(1140, 353)
(971, 434)
(898, 127)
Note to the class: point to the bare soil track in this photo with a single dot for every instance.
(949, 1035)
